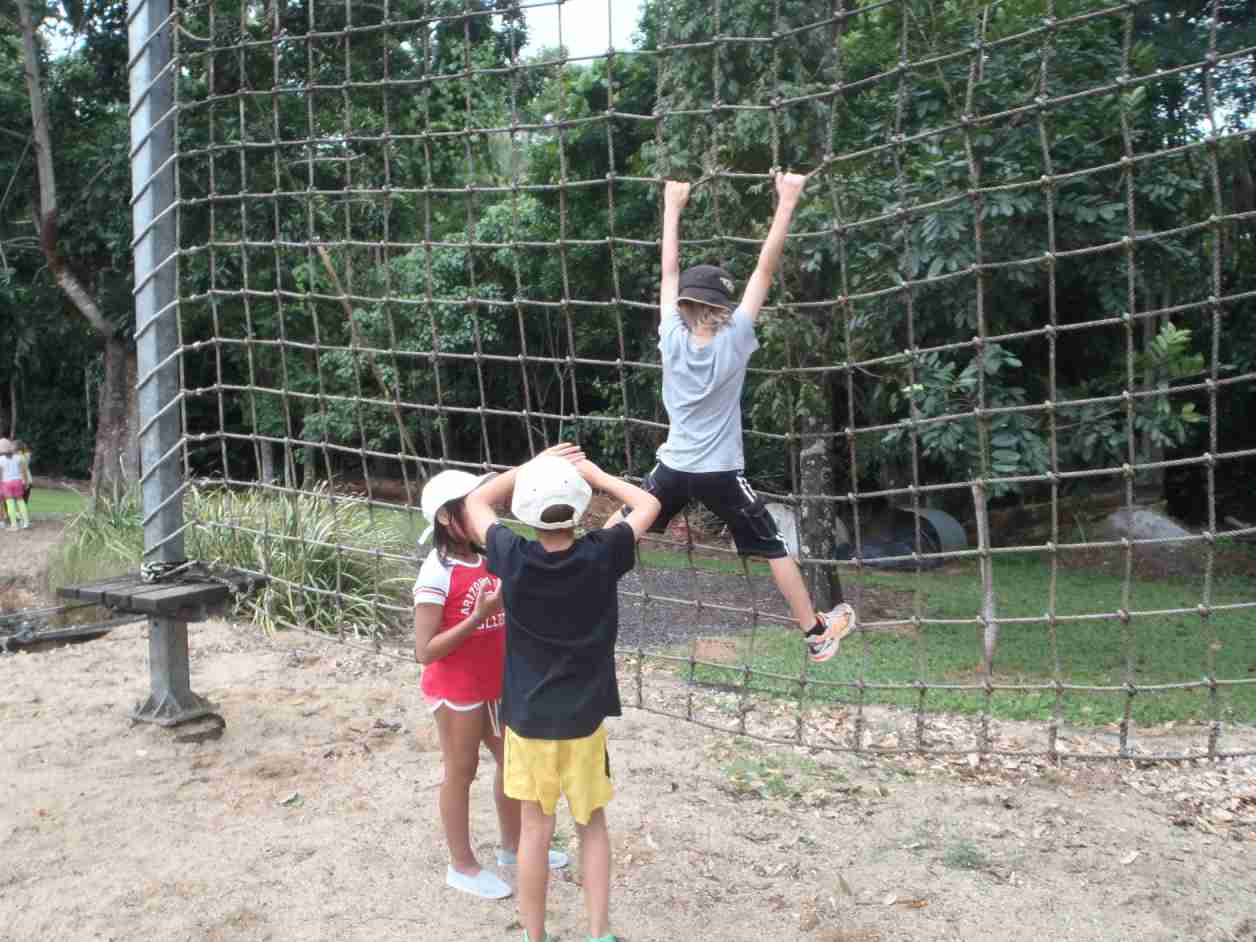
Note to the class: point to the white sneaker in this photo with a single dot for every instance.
(508, 858)
(485, 884)
(838, 623)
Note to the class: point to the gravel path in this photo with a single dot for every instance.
(671, 616)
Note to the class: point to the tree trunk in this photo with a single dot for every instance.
(816, 527)
(310, 456)
(289, 468)
(13, 409)
(264, 377)
(116, 464)
(1149, 484)
(267, 451)
(989, 616)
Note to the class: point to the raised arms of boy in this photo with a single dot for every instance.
(645, 506)
(788, 191)
(482, 501)
(675, 196)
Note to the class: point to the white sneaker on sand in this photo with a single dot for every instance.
(508, 858)
(838, 623)
(485, 884)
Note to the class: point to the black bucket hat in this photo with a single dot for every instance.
(707, 284)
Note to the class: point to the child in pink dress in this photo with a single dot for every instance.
(14, 477)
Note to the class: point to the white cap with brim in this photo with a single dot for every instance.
(6, 446)
(440, 490)
(545, 482)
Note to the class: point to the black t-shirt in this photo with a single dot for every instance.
(562, 620)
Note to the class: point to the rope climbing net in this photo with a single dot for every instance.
(411, 236)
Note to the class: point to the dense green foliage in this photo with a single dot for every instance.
(49, 356)
(362, 145)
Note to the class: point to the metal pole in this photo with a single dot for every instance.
(150, 30)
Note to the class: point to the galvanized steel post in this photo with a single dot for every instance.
(153, 216)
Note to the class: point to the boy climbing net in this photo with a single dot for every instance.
(706, 346)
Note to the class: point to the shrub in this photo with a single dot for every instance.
(332, 564)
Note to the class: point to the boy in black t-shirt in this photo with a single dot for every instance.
(562, 620)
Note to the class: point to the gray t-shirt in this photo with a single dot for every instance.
(702, 393)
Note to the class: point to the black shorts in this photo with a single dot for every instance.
(727, 495)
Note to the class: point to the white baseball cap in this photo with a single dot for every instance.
(441, 489)
(548, 481)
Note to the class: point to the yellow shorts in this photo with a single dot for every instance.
(541, 769)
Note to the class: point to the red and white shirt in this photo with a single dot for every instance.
(473, 672)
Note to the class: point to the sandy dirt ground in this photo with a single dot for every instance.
(24, 557)
(313, 817)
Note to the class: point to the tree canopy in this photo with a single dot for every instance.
(480, 202)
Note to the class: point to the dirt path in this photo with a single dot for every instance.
(314, 818)
(23, 560)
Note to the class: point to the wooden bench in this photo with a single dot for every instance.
(182, 599)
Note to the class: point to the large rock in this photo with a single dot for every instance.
(786, 518)
(1158, 559)
(1139, 523)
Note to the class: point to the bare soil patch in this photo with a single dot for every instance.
(314, 817)
(23, 562)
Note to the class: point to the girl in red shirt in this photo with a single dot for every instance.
(460, 639)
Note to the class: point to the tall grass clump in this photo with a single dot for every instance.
(330, 564)
(99, 542)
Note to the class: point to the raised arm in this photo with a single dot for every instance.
(645, 506)
(788, 191)
(482, 503)
(675, 196)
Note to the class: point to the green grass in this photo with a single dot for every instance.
(98, 543)
(754, 776)
(752, 772)
(965, 855)
(1166, 649)
(374, 591)
(56, 500)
